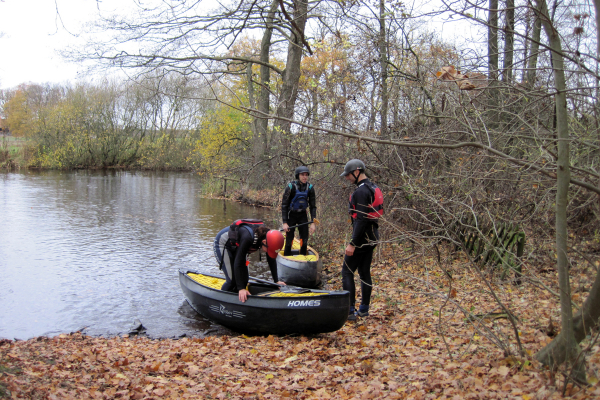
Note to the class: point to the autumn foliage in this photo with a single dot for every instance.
(415, 344)
(463, 81)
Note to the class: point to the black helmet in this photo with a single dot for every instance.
(301, 170)
(352, 166)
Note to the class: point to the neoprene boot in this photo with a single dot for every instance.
(363, 310)
(352, 315)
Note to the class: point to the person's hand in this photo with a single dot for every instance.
(243, 295)
(312, 228)
(286, 227)
(350, 250)
(282, 283)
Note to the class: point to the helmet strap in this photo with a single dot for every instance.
(356, 177)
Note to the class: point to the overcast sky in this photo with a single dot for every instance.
(33, 30)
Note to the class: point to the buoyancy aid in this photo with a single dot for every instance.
(300, 200)
(376, 207)
(251, 225)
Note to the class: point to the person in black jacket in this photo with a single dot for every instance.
(298, 197)
(365, 208)
(251, 235)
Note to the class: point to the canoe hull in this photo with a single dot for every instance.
(267, 315)
(299, 273)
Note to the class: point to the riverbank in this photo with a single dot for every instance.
(413, 345)
(269, 198)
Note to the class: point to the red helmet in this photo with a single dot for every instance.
(274, 242)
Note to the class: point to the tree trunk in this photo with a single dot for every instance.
(509, 40)
(588, 316)
(493, 55)
(383, 62)
(584, 321)
(262, 125)
(567, 346)
(253, 126)
(534, 48)
(597, 9)
(291, 75)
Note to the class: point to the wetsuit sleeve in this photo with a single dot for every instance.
(285, 203)
(360, 200)
(239, 265)
(312, 203)
(273, 267)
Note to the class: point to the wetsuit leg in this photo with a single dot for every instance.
(289, 236)
(364, 272)
(289, 240)
(296, 219)
(225, 259)
(360, 261)
(303, 232)
(229, 285)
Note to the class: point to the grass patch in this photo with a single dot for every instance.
(4, 392)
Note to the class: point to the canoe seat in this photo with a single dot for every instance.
(278, 293)
(211, 282)
(288, 294)
(299, 257)
(217, 283)
(312, 255)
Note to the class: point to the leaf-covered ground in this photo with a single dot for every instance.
(417, 344)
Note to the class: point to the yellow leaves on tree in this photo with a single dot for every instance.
(327, 64)
(18, 114)
(224, 136)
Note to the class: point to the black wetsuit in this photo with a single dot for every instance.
(233, 261)
(365, 234)
(293, 218)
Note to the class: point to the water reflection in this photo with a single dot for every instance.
(100, 249)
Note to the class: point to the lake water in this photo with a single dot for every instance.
(98, 250)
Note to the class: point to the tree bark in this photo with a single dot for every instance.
(493, 55)
(383, 62)
(597, 9)
(567, 346)
(257, 148)
(291, 75)
(534, 49)
(509, 40)
(588, 316)
(584, 321)
(262, 124)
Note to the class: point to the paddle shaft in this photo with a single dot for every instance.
(295, 226)
(266, 282)
(283, 288)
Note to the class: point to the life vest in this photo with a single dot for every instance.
(376, 206)
(251, 225)
(300, 200)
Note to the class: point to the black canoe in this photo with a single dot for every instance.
(298, 270)
(269, 309)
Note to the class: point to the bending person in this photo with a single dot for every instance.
(234, 243)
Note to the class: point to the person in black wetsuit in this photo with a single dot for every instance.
(232, 249)
(298, 197)
(365, 208)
